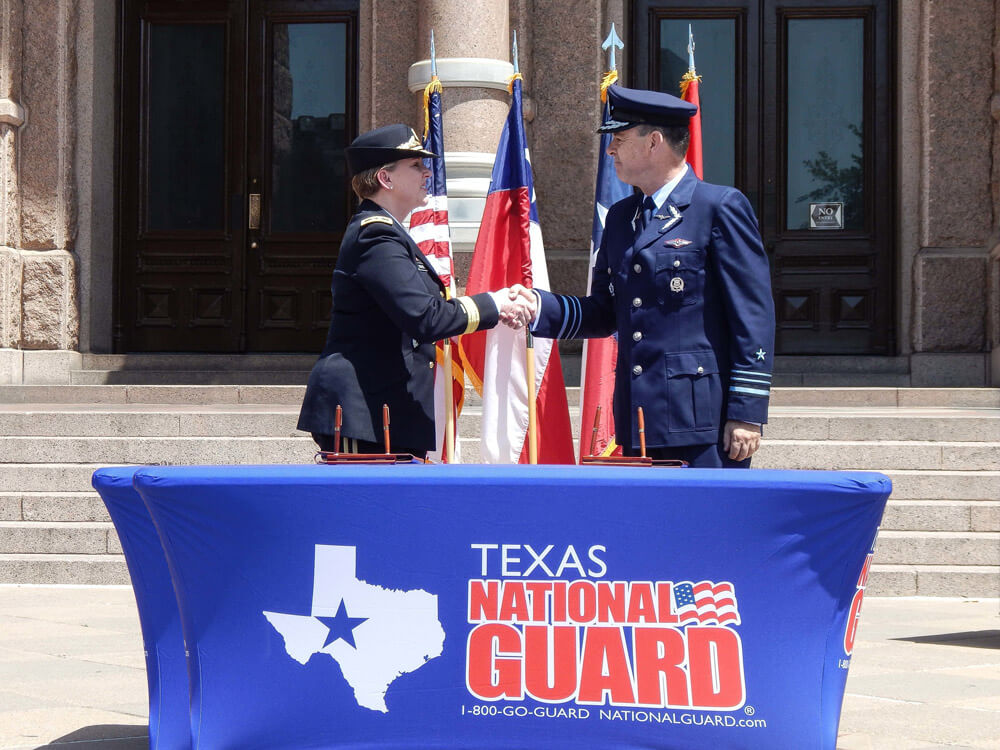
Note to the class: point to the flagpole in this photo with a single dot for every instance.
(449, 392)
(529, 340)
(690, 93)
(449, 403)
(598, 362)
(532, 398)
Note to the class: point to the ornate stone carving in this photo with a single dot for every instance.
(11, 113)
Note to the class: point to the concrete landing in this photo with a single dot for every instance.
(925, 674)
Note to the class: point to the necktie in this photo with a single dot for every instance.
(645, 215)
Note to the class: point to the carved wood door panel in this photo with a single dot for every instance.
(233, 190)
(797, 111)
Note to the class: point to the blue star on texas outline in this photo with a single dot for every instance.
(341, 626)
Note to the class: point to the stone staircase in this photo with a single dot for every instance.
(941, 447)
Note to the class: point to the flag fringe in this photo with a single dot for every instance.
(457, 373)
(471, 374)
(510, 82)
(430, 88)
(686, 81)
(609, 78)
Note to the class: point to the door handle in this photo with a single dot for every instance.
(253, 211)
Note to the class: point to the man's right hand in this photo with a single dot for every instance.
(740, 439)
(525, 302)
(516, 306)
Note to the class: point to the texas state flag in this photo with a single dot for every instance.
(509, 251)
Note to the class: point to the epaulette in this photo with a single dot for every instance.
(376, 219)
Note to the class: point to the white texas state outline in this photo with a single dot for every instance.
(400, 634)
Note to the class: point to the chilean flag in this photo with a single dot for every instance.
(689, 92)
(509, 251)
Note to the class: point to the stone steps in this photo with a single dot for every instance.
(64, 569)
(57, 479)
(66, 537)
(951, 425)
(141, 393)
(941, 532)
(200, 395)
(162, 450)
(979, 548)
(944, 398)
(877, 455)
(187, 362)
(151, 421)
(944, 485)
(972, 581)
(52, 506)
(200, 377)
(301, 376)
(900, 515)
(942, 515)
(278, 420)
(188, 369)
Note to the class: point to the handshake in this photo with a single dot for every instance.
(517, 306)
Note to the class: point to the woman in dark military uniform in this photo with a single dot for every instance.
(388, 310)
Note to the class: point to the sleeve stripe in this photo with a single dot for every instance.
(750, 391)
(572, 316)
(752, 380)
(565, 315)
(752, 373)
(577, 317)
(471, 313)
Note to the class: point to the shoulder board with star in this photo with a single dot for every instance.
(376, 219)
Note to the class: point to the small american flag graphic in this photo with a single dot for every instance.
(705, 602)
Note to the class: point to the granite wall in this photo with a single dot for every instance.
(56, 152)
(38, 202)
(951, 200)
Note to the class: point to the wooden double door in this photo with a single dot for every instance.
(233, 187)
(797, 111)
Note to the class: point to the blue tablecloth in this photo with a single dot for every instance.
(498, 607)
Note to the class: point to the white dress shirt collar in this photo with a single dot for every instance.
(661, 195)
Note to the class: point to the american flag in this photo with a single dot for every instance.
(429, 229)
(705, 602)
(429, 223)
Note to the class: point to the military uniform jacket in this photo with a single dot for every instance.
(388, 310)
(690, 299)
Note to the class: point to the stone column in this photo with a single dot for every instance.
(950, 266)
(94, 174)
(388, 46)
(472, 40)
(48, 199)
(11, 120)
(38, 307)
(993, 276)
(566, 75)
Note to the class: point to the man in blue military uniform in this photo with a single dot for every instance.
(682, 277)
